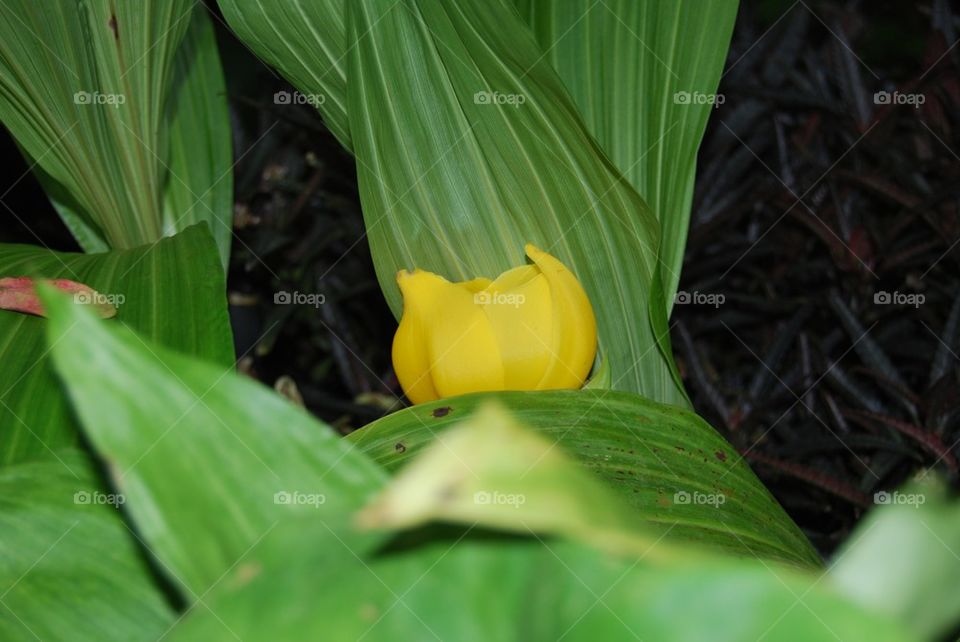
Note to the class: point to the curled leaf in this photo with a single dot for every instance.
(19, 294)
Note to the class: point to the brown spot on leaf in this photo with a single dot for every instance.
(113, 27)
(722, 456)
(399, 447)
(442, 412)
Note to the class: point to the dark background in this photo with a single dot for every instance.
(813, 203)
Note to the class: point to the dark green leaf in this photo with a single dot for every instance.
(69, 567)
(216, 469)
(667, 463)
(172, 292)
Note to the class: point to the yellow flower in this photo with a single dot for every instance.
(530, 329)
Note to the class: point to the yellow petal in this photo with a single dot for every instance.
(518, 305)
(410, 360)
(444, 345)
(574, 333)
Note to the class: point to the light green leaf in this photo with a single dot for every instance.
(904, 559)
(304, 40)
(69, 567)
(468, 584)
(126, 124)
(644, 75)
(676, 472)
(172, 291)
(217, 469)
(468, 146)
(200, 177)
(468, 476)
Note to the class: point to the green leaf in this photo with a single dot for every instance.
(172, 291)
(644, 75)
(305, 41)
(93, 94)
(467, 476)
(530, 588)
(69, 567)
(904, 559)
(468, 146)
(200, 177)
(217, 469)
(654, 456)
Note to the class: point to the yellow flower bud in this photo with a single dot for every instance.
(530, 329)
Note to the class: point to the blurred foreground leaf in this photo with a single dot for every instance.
(69, 567)
(173, 292)
(904, 557)
(216, 468)
(667, 464)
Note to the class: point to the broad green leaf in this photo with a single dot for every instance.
(904, 559)
(69, 567)
(126, 128)
(676, 472)
(200, 177)
(491, 588)
(464, 585)
(644, 75)
(94, 122)
(304, 40)
(467, 476)
(468, 147)
(173, 292)
(216, 469)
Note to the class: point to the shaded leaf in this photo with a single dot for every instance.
(172, 291)
(216, 468)
(69, 567)
(669, 465)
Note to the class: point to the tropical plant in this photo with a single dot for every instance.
(147, 491)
